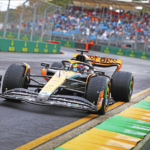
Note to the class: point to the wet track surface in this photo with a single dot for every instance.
(21, 123)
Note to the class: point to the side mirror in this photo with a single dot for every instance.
(100, 73)
(0, 80)
(44, 64)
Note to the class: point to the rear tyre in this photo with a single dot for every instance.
(122, 86)
(98, 92)
(57, 65)
(14, 77)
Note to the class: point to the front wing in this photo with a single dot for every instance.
(57, 100)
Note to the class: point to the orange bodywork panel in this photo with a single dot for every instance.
(87, 80)
(27, 67)
(44, 73)
(75, 55)
(58, 79)
(53, 84)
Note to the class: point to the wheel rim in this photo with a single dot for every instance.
(130, 89)
(107, 94)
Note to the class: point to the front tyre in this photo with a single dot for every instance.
(98, 92)
(122, 86)
(14, 77)
(57, 65)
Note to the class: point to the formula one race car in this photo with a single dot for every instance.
(74, 83)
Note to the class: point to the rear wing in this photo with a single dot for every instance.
(105, 62)
(102, 61)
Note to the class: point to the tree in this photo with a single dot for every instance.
(32, 3)
(2, 17)
(62, 3)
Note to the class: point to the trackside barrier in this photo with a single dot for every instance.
(10, 45)
(11, 35)
(80, 45)
(54, 42)
(95, 47)
(1, 33)
(65, 43)
(104, 49)
(26, 37)
(125, 52)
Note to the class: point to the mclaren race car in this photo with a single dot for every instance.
(75, 83)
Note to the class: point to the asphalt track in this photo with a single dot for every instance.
(21, 123)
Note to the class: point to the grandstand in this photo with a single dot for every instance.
(87, 20)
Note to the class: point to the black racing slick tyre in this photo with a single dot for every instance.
(98, 92)
(57, 65)
(122, 86)
(14, 77)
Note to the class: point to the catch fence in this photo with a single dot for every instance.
(45, 21)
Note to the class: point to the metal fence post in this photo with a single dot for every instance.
(76, 39)
(6, 20)
(33, 25)
(109, 36)
(21, 16)
(123, 36)
(110, 12)
(103, 11)
(43, 22)
(118, 9)
(136, 39)
(146, 48)
(50, 35)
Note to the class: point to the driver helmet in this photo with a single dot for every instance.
(77, 68)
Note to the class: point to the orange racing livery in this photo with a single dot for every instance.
(78, 83)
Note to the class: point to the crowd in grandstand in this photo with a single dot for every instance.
(101, 24)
